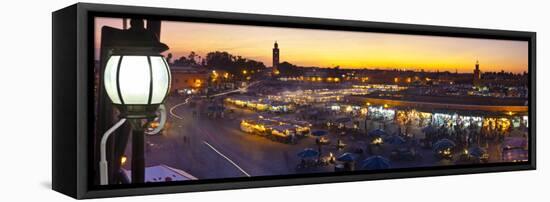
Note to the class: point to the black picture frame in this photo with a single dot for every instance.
(72, 106)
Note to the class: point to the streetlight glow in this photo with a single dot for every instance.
(123, 160)
(137, 79)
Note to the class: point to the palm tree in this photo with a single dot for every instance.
(191, 57)
(169, 58)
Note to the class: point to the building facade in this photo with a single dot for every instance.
(188, 80)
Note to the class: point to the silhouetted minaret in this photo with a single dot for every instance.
(477, 72)
(477, 75)
(276, 58)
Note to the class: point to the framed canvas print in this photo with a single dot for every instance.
(155, 100)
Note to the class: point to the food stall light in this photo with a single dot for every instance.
(349, 109)
(123, 160)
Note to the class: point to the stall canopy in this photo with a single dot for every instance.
(308, 153)
(375, 163)
(377, 133)
(319, 133)
(443, 144)
(395, 140)
(476, 151)
(346, 157)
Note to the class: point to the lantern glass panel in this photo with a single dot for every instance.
(134, 79)
(161, 79)
(110, 79)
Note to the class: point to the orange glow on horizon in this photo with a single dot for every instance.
(327, 48)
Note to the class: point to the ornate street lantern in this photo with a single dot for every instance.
(137, 80)
(137, 84)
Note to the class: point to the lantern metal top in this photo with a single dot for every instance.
(134, 41)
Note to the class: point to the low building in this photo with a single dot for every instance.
(188, 80)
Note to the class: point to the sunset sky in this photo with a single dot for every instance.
(325, 48)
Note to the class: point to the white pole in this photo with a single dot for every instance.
(103, 169)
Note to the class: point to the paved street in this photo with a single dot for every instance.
(216, 148)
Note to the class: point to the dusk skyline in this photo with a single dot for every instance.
(325, 48)
(228, 115)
